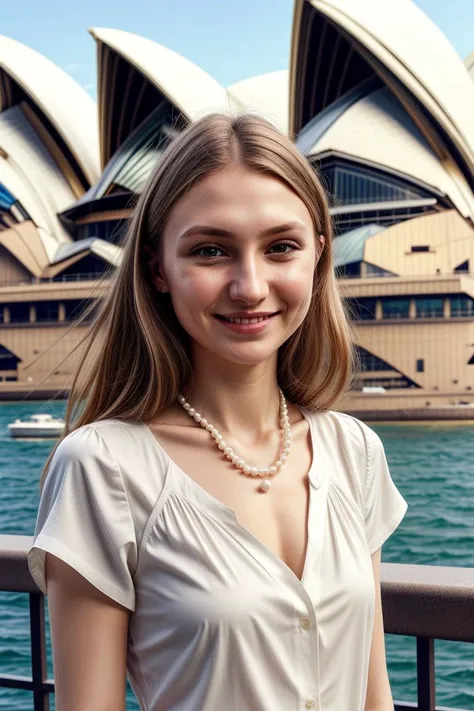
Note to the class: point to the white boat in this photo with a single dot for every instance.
(37, 426)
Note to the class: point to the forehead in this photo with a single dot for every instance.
(236, 197)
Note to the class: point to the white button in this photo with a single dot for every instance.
(310, 704)
(305, 623)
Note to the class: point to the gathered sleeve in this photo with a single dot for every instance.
(84, 517)
(384, 506)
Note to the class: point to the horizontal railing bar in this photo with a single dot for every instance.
(11, 681)
(418, 600)
(409, 706)
(429, 601)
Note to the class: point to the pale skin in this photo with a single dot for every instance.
(237, 243)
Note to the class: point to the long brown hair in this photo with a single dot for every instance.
(138, 352)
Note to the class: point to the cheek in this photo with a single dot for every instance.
(296, 285)
(193, 288)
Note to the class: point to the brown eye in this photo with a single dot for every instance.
(208, 252)
(282, 248)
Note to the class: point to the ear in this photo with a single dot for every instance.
(156, 272)
(320, 242)
(160, 283)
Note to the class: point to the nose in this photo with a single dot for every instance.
(249, 283)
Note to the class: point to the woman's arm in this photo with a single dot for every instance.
(379, 696)
(89, 640)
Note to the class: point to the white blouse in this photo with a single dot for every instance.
(218, 621)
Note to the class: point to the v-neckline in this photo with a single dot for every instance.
(219, 506)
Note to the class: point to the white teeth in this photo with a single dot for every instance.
(236, 319)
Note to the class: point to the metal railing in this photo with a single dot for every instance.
(427, 275)
(421, 601)
(60, 278)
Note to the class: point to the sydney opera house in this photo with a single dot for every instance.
(378, 101)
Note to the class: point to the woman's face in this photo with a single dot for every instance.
(238, 258)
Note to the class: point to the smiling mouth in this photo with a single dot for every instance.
(245, 321)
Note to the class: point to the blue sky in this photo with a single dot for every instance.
(230, 39)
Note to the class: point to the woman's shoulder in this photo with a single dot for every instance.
(125, 446)
(108, 438)
(342, 424)
(340, 430)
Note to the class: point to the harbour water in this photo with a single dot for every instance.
(432, 465)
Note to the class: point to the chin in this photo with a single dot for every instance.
(247, 354)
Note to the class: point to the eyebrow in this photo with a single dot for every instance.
(210, 231)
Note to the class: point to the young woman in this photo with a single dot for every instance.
(210, 524)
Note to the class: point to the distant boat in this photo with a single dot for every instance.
(37, 426)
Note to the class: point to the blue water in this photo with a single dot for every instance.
(432, 465)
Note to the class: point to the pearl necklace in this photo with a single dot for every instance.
(233, 457)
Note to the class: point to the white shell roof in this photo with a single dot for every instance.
(112, 253)
(31, 175)
(469, 62)
(190, 89)
(415, 50)
(265, 94)
(378, 130)
(66, 104)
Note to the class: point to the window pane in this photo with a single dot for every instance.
(362, 309)
(396, 308)
(427, 307)
(19, 313)
(462, 305)
(47, 311)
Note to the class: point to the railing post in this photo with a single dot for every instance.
(426, 674)
(39, 664)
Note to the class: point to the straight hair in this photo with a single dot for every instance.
(138, 353)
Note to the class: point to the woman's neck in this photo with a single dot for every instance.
(242, 400)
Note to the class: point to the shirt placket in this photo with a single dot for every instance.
(307, 625)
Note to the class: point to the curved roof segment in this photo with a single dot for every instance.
(395, 42)
(376, 129)
(64, 103)
(469, 62)
(190, 90)
(31, 175)
(267, 95)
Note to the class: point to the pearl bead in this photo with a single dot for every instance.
(234, 458)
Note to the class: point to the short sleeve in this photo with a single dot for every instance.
(385, 507)
(84, 518)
